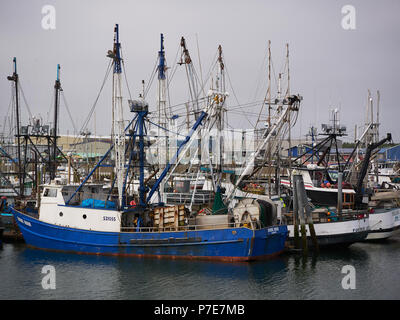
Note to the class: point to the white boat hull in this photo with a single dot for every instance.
(384, 223)
(336, 233)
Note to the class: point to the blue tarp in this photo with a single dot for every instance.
(393, 153)
(99, 204)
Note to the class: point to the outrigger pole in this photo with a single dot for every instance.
(15, 78)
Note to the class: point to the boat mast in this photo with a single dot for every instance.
(57, 89)
(187, 61)
(15, 78)
(162, 107)
(118, 135)
(220, 87)
(288, 120)
(269, 115)
(376, 133)
(377, 114)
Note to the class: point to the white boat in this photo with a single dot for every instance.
(332, 230)
(384, 215)
(325, 195)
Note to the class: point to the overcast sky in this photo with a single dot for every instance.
(329, 66)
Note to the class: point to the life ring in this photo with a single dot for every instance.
(132, 203)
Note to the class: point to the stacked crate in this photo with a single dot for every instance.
(169, 217)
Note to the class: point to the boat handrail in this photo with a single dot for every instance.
(182, 197)
(324, 217)
(185, 227)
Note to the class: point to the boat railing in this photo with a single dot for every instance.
(331, 216)
(186, 197)
(183, 228)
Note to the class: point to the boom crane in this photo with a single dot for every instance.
(371, 147)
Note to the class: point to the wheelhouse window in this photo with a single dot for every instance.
(51, 193)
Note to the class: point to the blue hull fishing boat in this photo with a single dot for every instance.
(131, 223)
(226, 244)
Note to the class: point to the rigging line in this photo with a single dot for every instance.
(13, 116)
(209, 74)
(259, 74)
(183, 108)
(69, 112)
(198, 81)
(169, 80)
(126, 79)
(229, 111)
(230, 83)
(175, 63)
(193, 81)
(198, 56)
(197, 94)
(273, 72)
(6, 116)
(228, 125)
(251, 115)
(284, 68)
(231, 108)
(212, 66)
(183, 104)
(189, 83)
(150, 82)
(110, 64)
(49, 111)
(262, 107)
(249, 104)
(178, 134)
(151, 79)
(23, 96)
(168, 94)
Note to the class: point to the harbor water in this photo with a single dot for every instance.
(289, 276)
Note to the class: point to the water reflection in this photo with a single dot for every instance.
(289, 276)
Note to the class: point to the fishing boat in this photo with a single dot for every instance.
(320, 185)
(333, 230)
(384, 214)
(343, 211)
(133, 224)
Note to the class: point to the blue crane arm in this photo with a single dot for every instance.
(169, 165)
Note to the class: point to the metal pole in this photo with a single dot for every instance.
(295, 214)
(14, 78)
(308, 213)
(57, 87)
(142, 188)
(301, 217)
(340, 194)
